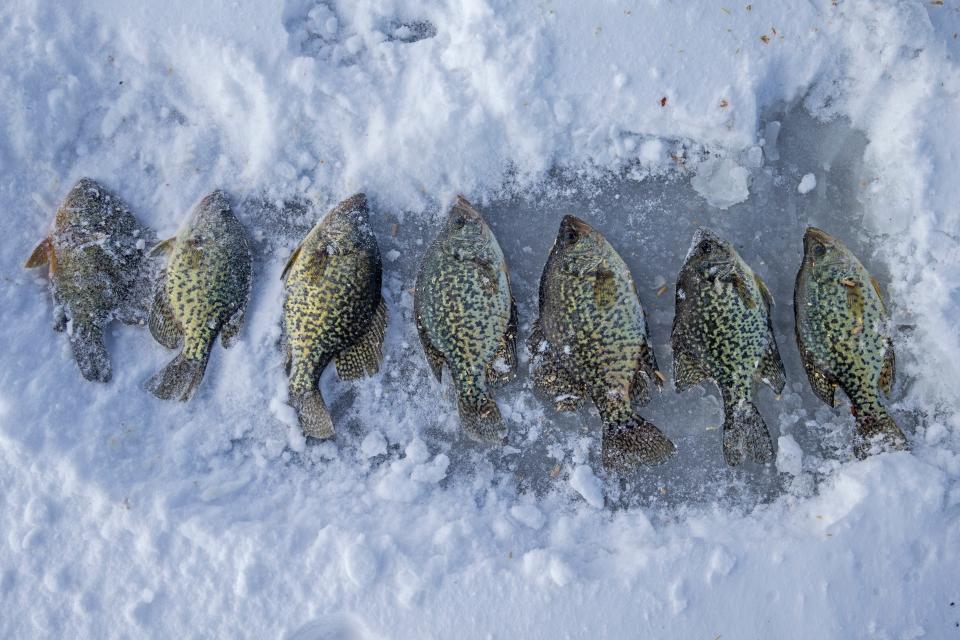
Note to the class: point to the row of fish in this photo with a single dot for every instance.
(590, 341)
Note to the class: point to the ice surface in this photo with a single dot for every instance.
(127, 517)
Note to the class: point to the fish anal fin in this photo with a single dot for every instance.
(687, 372)
(230, 329)
(550, 376)
(366, 354)
(503, 367)
(771, 370)
(889, 371)
(434, 356)
(164, 326)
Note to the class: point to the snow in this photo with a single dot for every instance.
(807, 183)
(128, 517)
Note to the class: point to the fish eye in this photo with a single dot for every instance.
(570, 235)
(819, 250)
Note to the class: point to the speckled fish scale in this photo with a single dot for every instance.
(466, 317)
(333, 309)
(722, 332)
(844, 339)
(203, 294)
(96, 259)
(591, 340)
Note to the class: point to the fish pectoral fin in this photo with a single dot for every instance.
(604, 288)
(740, 285)
(764, 291)
(434, 356)
(292, 259)
(889, 371)
(41, 255)
(687, 372)
(164, 326)
(503, 367)
(164, 246)
(366, 354)
(824, 387)
(770, 370)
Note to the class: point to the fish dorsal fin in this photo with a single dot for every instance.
(764, 291)
(41, 255)
(687, 372)
(164, 246)
(876, 287)
(293, 258)
(604, 288)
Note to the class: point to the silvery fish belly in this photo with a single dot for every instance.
(96, 256)
(844, 339)
(722, 332)
(332, 310)
(591, 340)
(202, 294)
(467, 318)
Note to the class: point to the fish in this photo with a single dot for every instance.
(202, 293)
(722, 332)
(592, 340)
(96, 257)
(333, 309)
(466, 317)
(844, 338)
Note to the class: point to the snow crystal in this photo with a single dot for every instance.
(721, 182)
(807, 184)
(584, 482)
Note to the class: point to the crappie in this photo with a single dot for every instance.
(722, 332)
(96, 257)
(333, 309)
(591, 340)
(844, 337)
(467, 318)
(203, 292)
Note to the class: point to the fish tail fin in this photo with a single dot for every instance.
(633, 441)
(480, 417)
(90, 352)
(745, 434)
(876, 431)
(179, 379)
(312, 413)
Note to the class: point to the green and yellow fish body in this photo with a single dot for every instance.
(202, 294)
(591, 340)
(844, 337)
(467, 318)
(95, 256)
(722, 332)
(333, 309)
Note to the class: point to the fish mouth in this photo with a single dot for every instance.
(820, 235)
(355, 204)
(573, 222)
(463, 209)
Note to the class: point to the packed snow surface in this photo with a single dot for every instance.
(128, 517)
